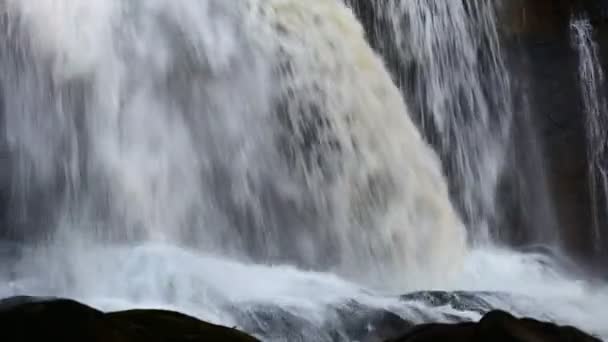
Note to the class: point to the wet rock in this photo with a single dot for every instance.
(39, 319)
(364, 324)
(459, 300)
(538, 40)
(161, 325)
(351, 321)
(33, 319)
(549, 17)
(496, 326)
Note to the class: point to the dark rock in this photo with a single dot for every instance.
(272, 322)
(371, 325)
(37, 319)
(549, 17)
(499, 323)
(541, 53)
(31, 319)
(161, 325)
(496, 326)
(459, 300)
(48, 319)
(351, 321)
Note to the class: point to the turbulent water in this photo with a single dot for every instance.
(453, 55)
(246, 159)
(593, 87)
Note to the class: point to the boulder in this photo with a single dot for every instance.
(37, 319)
(497, 326)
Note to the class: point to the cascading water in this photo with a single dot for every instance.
(592, 83)
(462, 92)
(236, 159)
(316, 163)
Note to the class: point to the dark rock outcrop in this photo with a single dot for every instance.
(497, 326)
(51, 319)
(349, 321)
(538, 40)
(34, 319)
(550, 17)
(459, 300)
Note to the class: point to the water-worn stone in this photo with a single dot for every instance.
(497, 326)
(34, 319)
(49, 319)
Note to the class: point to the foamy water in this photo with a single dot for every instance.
(222, 290)
(226, 158)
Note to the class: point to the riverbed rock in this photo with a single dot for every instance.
(52, 319)
(497, 326)
(40, 319)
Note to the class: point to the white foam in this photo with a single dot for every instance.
(178, 140)
(162, 276)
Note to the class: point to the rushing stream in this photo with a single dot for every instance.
(255, 163)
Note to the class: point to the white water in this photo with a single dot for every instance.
(228, 292)
(203, 144)
(464, 92)
(592, 83)
(234, 128)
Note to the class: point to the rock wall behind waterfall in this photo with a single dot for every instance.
(538, 35)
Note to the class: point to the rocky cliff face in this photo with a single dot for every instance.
(548, 17)
(55, 319)
(537, 37)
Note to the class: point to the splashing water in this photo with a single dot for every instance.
(462, 92)
(186, 150)
(235, 294)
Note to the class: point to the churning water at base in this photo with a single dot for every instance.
(236, 160)
(593, 89)
(282, 303)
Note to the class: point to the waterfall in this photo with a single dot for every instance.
(261, 130)
(259, 164)
(593, 89)
(452, 66)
